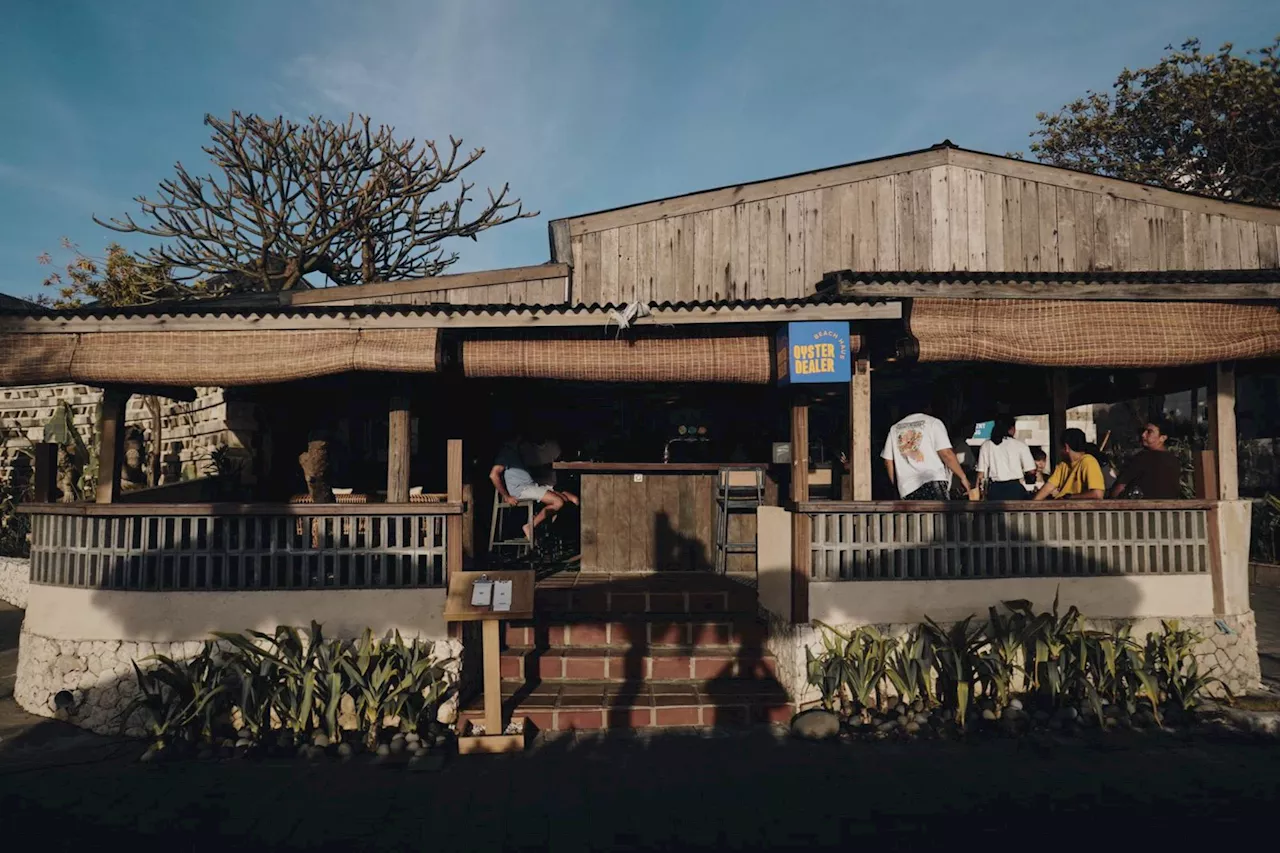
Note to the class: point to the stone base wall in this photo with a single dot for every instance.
(14, 575)
(99, 676)
(1231, 657)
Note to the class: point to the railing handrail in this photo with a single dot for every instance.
(239, 509)
(808, 507)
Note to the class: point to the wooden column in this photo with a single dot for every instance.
(398, 448)
(46, 472)
(800, 552)
(1222, 430)
(492, 650)
(1058, 392)
(1059, 389)
(453, 523)
(111, 445)
(860, 455)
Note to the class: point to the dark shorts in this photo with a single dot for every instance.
(1009, 490)
(935, 491)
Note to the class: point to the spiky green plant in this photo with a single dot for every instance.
(179, 699)
(956, 651)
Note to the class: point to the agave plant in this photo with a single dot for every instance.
(373, 672)
(956, 651)
(1171, 663)
(1003, 659)
(421, 682)
(287, 662)
(910, 668)
(179, 699)
(1109, 669)
(330, 659)
(1054, 665)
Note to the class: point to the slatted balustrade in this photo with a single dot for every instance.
(240, 548)
(922, 541)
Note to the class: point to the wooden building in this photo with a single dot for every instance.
(653, 327)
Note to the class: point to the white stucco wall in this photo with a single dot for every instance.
(62, 613)
(884, 602)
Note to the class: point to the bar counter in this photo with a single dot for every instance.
(642, 517)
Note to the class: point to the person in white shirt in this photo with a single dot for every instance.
(1004, 463)
(918, 456)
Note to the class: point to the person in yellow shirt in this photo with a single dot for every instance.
(1078, 477)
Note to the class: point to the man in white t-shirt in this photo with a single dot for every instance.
(918, 456)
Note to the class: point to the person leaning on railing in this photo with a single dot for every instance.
(1004, 464)
(1078, 476)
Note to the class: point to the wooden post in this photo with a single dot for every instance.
(398, 448)
(800, 552)
(492, 680)
(111, 445)
(157, 438)
(46, 465)
(1222, 430)
(1059, 389)
(860, 457)
(453, 488)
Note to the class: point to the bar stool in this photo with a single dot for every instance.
(737, 491)
(522, 545)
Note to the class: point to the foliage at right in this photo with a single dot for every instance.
(1014, 666)
(1199, 121)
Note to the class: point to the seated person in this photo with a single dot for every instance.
(1078, 476)
(1154, 473)
(511, 478)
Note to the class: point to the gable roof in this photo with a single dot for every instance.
(13, 303)
(942, 154)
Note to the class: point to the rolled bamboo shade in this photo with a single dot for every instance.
(224, 359)
(747, 359)
(1061, 333)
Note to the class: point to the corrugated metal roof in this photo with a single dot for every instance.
(240, 308)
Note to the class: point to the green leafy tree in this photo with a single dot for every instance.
(1204, 122)
(115, 280)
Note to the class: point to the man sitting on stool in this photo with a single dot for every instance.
(510, 476)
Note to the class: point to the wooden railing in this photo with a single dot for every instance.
(240, 546)
(942, 541)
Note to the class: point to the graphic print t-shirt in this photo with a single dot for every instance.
(913, 445)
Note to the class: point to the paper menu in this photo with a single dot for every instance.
(481, 592)
(502, 596)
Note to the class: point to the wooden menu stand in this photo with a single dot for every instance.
(458, 608)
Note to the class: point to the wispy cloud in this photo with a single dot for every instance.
(510, 78)
(65, 191)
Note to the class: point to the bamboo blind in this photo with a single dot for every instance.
(222, 359)
(1061, 333)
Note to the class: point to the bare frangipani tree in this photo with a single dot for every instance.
(287, 199)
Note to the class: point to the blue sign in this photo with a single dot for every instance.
(814, 352)
(983, 430)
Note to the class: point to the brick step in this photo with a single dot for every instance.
(625, 598)
(619, 665)
(680, 630)
(600, 705)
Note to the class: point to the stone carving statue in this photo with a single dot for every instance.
(69, 471)
(315, 468)
(131, 473)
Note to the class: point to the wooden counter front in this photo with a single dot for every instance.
(650, 517)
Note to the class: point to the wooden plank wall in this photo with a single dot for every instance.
(938, 218)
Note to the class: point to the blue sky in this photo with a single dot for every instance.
(580, 105)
